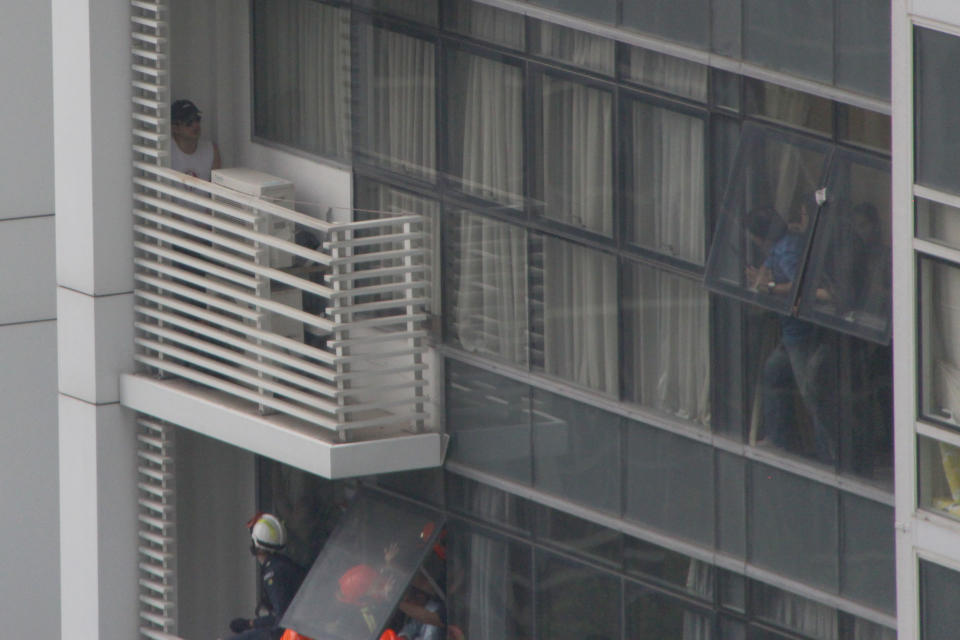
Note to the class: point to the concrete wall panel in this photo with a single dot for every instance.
(28, 285)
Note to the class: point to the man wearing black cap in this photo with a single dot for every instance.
(190, 153)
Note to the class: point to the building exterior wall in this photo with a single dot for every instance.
(28, 397)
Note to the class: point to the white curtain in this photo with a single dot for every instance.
(580, 314)
(401, 104)
(486, 23)
(490, 300)
(577, 155)
(302, 80)
(578, 48)
(669, 182)
(492, 128)
(324, 78)
(671, 349)
(673, 75)
(804, 616)
(700, 582)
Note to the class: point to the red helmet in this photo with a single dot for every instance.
(356, 582)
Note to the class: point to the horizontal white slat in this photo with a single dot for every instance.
(377, 273)
(155, 474)
(379, 239)
(194, 230)
(239, 342)
(387, 337)
(362, 258)
(242, 392)
(156, 490)
(381, 371)
(204, 204)
(157, 555)
(151, 23)
(183, 291)
(269, 305)
(150, 104)
(153, 634)
(152, 136)
(386, 419)
(147, 118)
(156, 569)
(379, 222)
(150, 151)
(157, 619)
(156, 539)
(157, 523)
(243, 360)
(181, 258)
(151, 38)
(250, 331)
(220, 193)
(396, 287)
(149, 87)
(156, 507)
(236, 262)
(148, 54)
(400, 304)
(154, 458)
(379, 322)
(267, 383)
(146, 5)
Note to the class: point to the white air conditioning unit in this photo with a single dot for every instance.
(278, 191)
(271, 188)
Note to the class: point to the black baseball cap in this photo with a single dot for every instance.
(183, 111)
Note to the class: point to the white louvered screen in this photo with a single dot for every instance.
(156, 519)
(333, 337)
(157, 530)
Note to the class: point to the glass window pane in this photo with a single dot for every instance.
(484, 123)
(686, 21)
(396, 81)
(789, 106)
(576, 451)
(493, 599)
(666, 73)
(793, 526)
(505, 510)
(486, 286)
(937, 95)
(355, 555)
(939, 476)
(579, 536)
(726, 90)
(575, 47)
(575, 313)
(488, 418)
(301, 67)
(848, 281)
(795, 36)
(731, 504)
(727, 27)
(940, 340)
(670, 483)
(863, 46)
(652, 615)
(938, 222)
(867, 563)
(667, 194)
(419, 10)
(863, 127)
(666, 322)
(939, 594)
(576, 161)
(733, 590)
(671, 568)
(790, 611)
(602, 10)
(735, 353)
(574, 600)
(768, 214)
(484, 22)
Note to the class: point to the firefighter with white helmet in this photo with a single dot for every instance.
(280, 578)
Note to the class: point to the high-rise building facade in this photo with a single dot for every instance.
(664, 289)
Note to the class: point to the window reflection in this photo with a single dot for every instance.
(940, 340)
(939, 476)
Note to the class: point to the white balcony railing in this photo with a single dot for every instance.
(228, 299)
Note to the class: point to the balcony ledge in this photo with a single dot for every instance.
(281, 437)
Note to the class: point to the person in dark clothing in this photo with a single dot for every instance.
(280, 578)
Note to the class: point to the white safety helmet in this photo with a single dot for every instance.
(268, 533)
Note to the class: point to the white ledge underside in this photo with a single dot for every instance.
(282, 438)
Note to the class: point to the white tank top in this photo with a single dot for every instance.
(197, 164)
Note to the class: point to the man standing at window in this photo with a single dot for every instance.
(190, 153)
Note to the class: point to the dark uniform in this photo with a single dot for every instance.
(280, 578)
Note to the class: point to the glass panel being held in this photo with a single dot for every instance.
(364, 569)
(769, 213)
(848, 281)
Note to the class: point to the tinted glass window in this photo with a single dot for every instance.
(686, 21)
(937, 94)
(794, 36)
